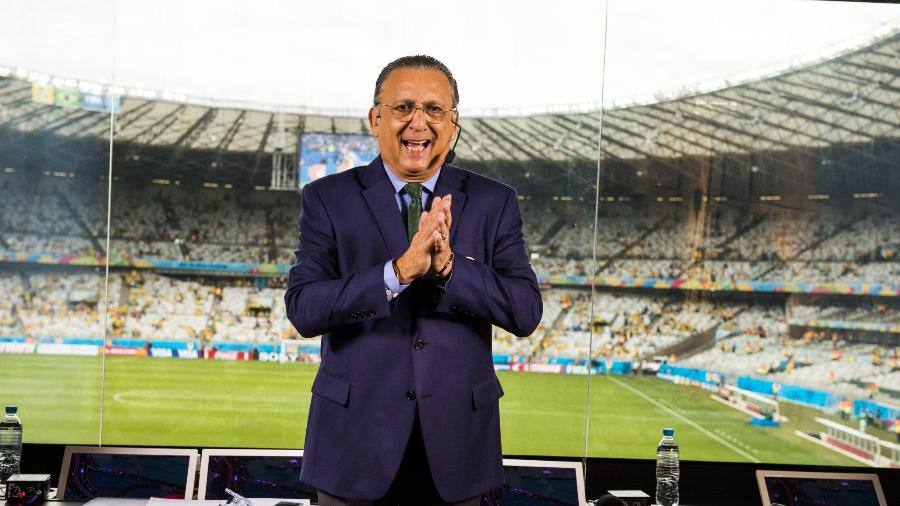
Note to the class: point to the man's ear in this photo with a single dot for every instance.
(373, 121)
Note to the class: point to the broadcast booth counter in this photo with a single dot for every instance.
(119, 474)
(86, 472)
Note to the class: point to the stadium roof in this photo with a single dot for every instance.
(849, 98)
(510, 58)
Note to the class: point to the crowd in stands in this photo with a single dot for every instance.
(555, 301)
(37, 209)
(50, 245)
(136, 248)
(883, 313)
(145, 305)
(64, 216)
(756, 343)
(51, 305)
(618, 325)
(142, 306)
(768, 244)
(751, 339)
(60, 216)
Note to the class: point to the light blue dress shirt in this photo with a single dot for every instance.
(391, 283)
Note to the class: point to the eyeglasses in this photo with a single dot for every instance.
(404, 111)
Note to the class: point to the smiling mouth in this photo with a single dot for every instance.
(416, 145)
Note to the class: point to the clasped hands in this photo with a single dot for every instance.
(429, 249)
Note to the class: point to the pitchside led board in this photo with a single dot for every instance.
(322, 154)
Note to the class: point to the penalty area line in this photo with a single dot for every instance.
(686, 420)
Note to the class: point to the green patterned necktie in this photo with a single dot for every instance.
(415, 209)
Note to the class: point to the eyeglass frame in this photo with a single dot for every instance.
(428, 117)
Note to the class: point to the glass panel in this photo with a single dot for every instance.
(54, 159)
(204, 225)
(548, 159)
(201, 240)
(747, 252)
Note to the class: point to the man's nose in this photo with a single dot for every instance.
(418, 119)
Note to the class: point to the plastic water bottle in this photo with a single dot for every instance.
(10, 443)
(667, 470)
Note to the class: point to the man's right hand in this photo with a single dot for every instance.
(417, 259)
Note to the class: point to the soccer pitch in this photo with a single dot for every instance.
(209, 403)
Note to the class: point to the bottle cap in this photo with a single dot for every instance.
(11, 410)
(668, 432)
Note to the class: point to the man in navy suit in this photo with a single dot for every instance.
(403, 266)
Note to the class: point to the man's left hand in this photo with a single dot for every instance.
(440, 255)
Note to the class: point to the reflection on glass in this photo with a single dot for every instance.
(747, 267)
(53, 153)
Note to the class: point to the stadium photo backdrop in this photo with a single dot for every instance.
(719, 258)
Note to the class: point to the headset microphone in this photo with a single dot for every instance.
(451, 155)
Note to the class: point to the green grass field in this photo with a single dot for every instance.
(206, 403)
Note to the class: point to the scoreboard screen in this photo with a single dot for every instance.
(322, 154)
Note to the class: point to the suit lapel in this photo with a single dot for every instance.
(379, 195)
(451, 181)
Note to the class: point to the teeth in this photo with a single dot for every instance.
(415, 145)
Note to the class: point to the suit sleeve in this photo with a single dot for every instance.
(320, 297)
(504, 293)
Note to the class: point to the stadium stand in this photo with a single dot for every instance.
(668, 222)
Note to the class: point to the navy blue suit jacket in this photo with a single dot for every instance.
(361, 414)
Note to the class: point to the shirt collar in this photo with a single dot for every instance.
(399, 183)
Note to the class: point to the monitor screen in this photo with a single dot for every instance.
(534, 482)
(253, 473)
(135, 473)
(821, 489)
(322, 154)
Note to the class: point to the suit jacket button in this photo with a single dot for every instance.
(411, 394)
(419, 344)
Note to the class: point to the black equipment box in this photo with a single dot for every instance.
(27, 488)
(632, 497)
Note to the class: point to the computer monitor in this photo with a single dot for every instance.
(537, 482)
(137, 473)
(271, 474)
(798, 488)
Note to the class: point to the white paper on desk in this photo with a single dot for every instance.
(157, 501)
(113, 501)
(254, 501)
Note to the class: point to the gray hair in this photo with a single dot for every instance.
(419, 61)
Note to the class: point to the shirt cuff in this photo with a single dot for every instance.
(392, 286)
